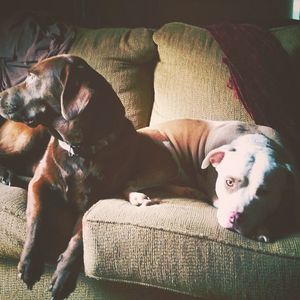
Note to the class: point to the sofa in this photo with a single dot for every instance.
(176, 249)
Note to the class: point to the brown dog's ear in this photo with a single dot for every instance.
(76, 94)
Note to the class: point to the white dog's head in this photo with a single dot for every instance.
(252, 180)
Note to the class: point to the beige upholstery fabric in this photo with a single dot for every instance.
(178, 245)
(13, 224)
(190, 80)
(125, 58)
(11, 288)
(12, 216)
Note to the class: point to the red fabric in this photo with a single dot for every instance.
(262, 77)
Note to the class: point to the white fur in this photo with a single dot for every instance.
(254, 164)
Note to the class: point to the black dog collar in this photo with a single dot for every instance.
(84, 150)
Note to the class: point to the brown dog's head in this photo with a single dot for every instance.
(63, 88)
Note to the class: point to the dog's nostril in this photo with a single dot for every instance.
(235, 218)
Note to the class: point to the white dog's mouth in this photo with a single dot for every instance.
(237, 222)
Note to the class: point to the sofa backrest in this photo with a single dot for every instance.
(190, 80)
(125, 57)
(175, 72)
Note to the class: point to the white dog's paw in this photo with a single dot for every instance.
(140, 199)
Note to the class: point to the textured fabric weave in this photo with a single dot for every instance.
(12, 216)
(11, 288)
(178, 245)
(125, 58)
(190, 80)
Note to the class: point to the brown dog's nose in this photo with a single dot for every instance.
(6, 105)
(3, 95)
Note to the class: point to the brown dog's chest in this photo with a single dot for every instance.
(83, 181)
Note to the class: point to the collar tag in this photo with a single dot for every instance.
(72, 150)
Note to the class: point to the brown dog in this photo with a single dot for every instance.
(89, 156)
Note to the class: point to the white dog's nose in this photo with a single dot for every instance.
(235, 218)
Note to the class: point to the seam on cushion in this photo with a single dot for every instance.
(140, 283)
(204, 237)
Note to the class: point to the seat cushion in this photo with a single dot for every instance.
(13, 225)
(178, 245)
(12, 216)
(125, 57)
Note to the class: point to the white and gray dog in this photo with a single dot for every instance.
(242, 169)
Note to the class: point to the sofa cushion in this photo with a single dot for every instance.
(12, 216)
(13, 225)
(178, 245)
(125, 57)
(190, 80)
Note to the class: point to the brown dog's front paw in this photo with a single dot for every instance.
(64, 279)
(30, 270)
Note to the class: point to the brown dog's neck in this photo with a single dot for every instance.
(86, 148)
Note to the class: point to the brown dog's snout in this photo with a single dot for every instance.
(8, 105)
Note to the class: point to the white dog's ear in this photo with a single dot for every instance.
(215, 156)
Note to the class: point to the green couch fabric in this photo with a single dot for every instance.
(12, 225)
(11, 288)
(190, 79)
(178, 245)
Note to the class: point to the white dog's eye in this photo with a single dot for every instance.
(229, 182)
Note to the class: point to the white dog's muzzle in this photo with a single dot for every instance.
(250, 184)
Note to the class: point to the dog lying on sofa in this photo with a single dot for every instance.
(94, 153)
(242, 169)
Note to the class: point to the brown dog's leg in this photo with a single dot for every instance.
(31, 265)
(155, 166)
(69, 265)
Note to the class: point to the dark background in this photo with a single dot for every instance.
(154, 13)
